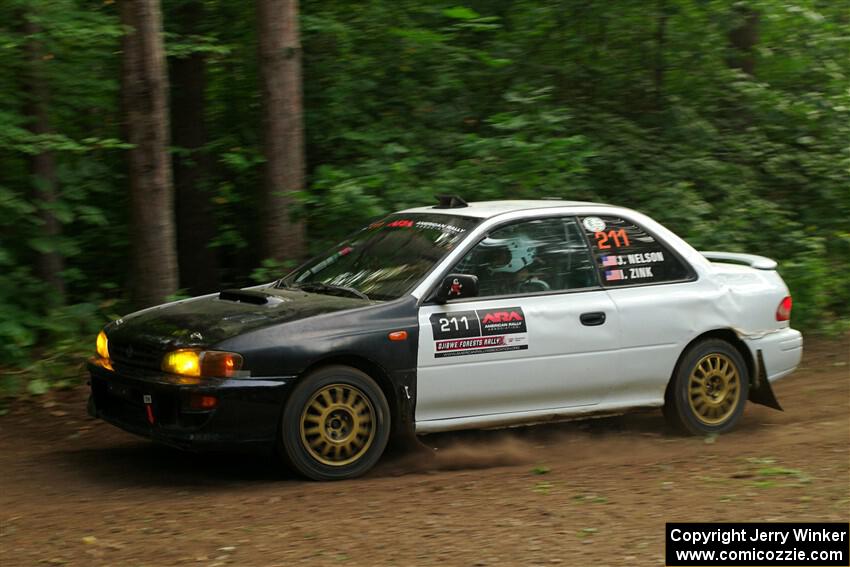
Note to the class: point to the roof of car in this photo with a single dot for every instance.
(487, 209)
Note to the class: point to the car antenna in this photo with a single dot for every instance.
(450, 202)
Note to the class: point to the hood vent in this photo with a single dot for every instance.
(244, 296)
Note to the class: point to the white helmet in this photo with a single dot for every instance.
(522, 251)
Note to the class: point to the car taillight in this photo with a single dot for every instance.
(783, 312)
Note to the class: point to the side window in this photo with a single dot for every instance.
(626, 254)
(529, 257)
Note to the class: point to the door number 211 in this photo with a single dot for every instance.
(447, 323)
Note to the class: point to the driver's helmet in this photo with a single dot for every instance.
(519, 253)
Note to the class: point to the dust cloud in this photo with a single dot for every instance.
(607, 440)
(466, 454)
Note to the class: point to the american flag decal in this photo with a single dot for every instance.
(614, 275)
(609, 261)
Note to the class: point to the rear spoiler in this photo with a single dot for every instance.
(751, 260)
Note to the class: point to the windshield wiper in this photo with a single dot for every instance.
(325, 288)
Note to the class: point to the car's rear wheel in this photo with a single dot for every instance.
(335, 424)
(709, 390)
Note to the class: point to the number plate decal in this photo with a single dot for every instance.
(457, 325)
(477, 332)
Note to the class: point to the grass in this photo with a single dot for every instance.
(767, 473)
(590, 499)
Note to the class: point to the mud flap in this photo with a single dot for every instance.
(403, 438)
(760, 390)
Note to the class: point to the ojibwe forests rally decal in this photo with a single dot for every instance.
(476, 332)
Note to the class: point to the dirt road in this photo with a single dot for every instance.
(74, 491)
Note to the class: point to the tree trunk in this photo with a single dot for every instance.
(144, 90)
(195, 225)
(743, 40)
(42, 165)
(283, 130)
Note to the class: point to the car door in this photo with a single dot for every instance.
(657, 296)
(542, 334)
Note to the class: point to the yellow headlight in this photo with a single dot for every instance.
(184, 362)
(102, 345)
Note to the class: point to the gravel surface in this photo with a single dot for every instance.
(75, 491)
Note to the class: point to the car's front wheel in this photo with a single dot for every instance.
(709, 389)
(335, 425)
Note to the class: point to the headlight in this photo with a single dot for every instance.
(183, 362)
(102, 345)
(212, 363)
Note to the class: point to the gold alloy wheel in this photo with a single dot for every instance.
(714, 389)
(338, 425)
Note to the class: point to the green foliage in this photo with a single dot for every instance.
(77, 41)
(49, 351)
(563, 99)
(405, 100)
(271, 270)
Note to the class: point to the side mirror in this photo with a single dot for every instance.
(456, 285)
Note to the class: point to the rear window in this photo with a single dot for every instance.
(627, 255)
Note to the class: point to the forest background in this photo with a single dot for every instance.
(153, 150)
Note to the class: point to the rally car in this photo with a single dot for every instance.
(453, 316)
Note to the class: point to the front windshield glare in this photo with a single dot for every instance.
(387, 258)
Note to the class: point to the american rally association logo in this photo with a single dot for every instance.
(480, 331)
(509, 320)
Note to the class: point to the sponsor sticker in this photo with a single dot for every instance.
(594, 224)
(498, 321)
(481, 331)
(425, 225)
(442, 227)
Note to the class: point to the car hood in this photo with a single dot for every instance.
(210, 319)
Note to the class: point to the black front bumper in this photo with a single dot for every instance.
(157, 406)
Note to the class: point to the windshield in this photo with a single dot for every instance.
(384, 260)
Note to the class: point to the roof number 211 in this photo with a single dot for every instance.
(616, 237)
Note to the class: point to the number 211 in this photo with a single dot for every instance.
(619, 237)
(445, 324)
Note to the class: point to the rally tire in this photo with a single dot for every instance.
(708, 390)
(335, 424)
